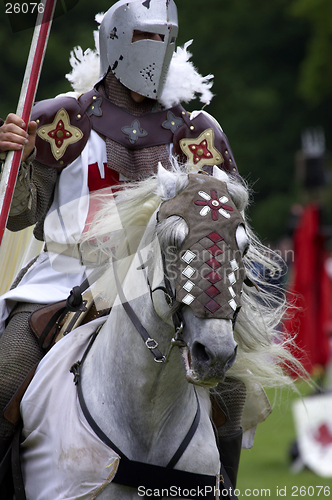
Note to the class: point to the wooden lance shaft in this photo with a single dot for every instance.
(25, 103)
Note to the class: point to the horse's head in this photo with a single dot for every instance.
(203, 239)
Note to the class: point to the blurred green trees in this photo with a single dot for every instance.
(273, 78)
(315, 74)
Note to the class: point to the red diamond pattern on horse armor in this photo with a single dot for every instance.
(212, 306)
(215, 237)
(213, 263)
(212, 291)
(215, 250)
(212, 277)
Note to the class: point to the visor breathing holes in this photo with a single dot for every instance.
(148, 72)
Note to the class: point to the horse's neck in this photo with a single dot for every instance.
(140, 404)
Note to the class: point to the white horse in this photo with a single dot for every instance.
(136, 390)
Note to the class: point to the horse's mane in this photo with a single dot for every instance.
(264, 352)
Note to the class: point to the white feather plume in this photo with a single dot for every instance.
(85, 72)
(183, 82)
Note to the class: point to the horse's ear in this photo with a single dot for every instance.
(219, 174)
(166, 182)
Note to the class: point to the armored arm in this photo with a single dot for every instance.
(59, 141)
(201, 143)
(33, 195)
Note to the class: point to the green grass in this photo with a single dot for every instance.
(265, 469)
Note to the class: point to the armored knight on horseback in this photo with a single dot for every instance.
(118, 131)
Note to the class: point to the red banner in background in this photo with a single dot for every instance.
(311, 292)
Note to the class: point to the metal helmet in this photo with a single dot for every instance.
(141, 66)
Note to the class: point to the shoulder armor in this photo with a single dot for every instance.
(201, 142)
(63, 129)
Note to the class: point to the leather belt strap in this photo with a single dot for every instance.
(83, 253)
(73, 304)
(16, 465)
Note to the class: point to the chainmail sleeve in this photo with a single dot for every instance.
(33, 196)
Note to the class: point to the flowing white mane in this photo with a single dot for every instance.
(183, 82)
(263, 351)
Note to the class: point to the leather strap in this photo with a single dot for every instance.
(76, 369)
(5, 456)
(73, 304)
(16, 465)
(115, 122)
(184, 445)
(177, 317)
(154, 477)
(149, 342)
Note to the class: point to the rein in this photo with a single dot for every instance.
(150, 343)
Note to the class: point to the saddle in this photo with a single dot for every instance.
(52, 322)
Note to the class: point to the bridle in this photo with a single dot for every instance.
(177, 317)
(170, 297)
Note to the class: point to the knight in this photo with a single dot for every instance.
(81, 143)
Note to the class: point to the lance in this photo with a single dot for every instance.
(25, 103)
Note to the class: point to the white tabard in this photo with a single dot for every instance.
(62, 458)
(53, 275)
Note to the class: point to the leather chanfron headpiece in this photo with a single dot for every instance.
(208, 268)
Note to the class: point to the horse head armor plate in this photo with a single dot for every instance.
(208, 270)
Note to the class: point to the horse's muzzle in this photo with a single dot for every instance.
(206, 367)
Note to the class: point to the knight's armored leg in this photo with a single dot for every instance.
(19, 352)
(230, 397)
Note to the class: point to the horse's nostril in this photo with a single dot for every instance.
(204, 356)
(202, 353)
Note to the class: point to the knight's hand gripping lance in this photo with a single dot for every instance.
(25, 103)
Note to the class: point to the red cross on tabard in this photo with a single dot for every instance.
(96, 182)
